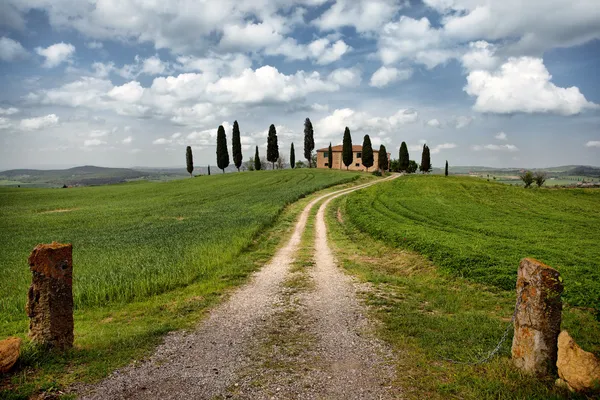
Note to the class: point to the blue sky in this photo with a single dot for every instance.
(131, 82)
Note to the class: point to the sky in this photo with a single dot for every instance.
(123, 83)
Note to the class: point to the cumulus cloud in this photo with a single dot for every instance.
(31, 124)
(127, 140)
(94, 45)
(56, 54)
(364, 15)
(11, 50)
(161, 141)
(98, 133)
(8, 111)
(480, 56)
(346, 76)
(93, 142)
(386, 75)
(444, 146)
(5, 123)
(501, 136)
(434, 123)
(496, 147)
(523, 85)
(462, 121)
(593, 143)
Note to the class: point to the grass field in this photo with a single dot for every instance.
(134, 240)
(480, 230)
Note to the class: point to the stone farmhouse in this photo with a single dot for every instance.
(337, 163)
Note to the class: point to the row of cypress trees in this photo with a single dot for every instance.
(367, 158)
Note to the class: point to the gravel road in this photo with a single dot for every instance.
(269, 342)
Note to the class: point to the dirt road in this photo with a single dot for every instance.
(286, 334)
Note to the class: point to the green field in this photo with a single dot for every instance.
(480, 230)
(134, 240)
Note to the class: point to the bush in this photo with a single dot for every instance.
(539, 178)
(376, 173)
(527, 178)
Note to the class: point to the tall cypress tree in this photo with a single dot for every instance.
(404, 157)
(222, 153)
(347, 155)
(292, 156)
(189, 160)
(272, 146)
(382, 159)
(257, 164)
(236, 146)
(330, 156)
(367, 153)
(446, 169)
(309, 141)
(425, 160)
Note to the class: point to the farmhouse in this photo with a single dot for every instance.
(337, 163)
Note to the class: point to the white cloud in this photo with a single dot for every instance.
(11, 50)
(94, 45)
(443, 146)
(30, 124)
(496, 147)
(523, 85)
(56, 54)
(5, 123)
(434, 123)
(129, 92)
(154, 66)
(127, 140)
(462, 121)
(364, 15)
(325, 52)
(98, 133)
(593, 143)
(8, 111)
(481, 56)
(161, 141)
(175, 135)
(93, 142)
(386, 75)
(346, 76)
(319, 107)
(501, 136)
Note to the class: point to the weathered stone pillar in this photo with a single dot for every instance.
(50, 297)
(537, 322)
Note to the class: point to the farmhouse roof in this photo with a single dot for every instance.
(339, 148)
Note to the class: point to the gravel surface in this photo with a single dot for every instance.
(270, 340)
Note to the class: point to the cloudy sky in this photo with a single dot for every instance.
(132, 82)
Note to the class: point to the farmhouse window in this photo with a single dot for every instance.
(357, 164)
(358, 155)
(327, 164)
(325, 155)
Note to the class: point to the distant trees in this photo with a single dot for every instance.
(527, 178)
(539, 178)
(209, 170)
(412, 167)
(189, 160)
(257, 164)
(383, 159)
(292, 156)
(236, 146)
(329, 156)
(309, 141)
(446, 169)
(404, 159)
(425, 160)
(222, 153)
(367, 153)
(347, 156)
(272, 146)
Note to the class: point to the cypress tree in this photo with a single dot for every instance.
(292, 156)
(446, 170)
(383, 159)
(367, 153)
(309, 141)
(347, 155)
(257, 160)
(404, 157)
(209, 170)
(425, 160)
(329, 157)
(222, 153)
(236, 146)
(189, 160)
(272, 146)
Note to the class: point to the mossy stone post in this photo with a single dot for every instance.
(50, 297)
(538, 318)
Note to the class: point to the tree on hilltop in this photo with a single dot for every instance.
(425, 160)
(272, 146)
(383, 159)
(527, 178)
(446, 169)
(309, 141)
(330, 156)
(257, 164)
(236, 146)
(539, 178)
(292, 156)
(189, 160)
(347, 156)
(404, 157)
(412, 167)
(367, 153)
(222, 153)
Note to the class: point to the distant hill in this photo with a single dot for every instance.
(565, 170)
(79, 176)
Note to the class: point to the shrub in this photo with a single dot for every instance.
(376, 173)
(527, 178)
(539, 178)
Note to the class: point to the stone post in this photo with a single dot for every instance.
(538, 317)
(50, 297)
